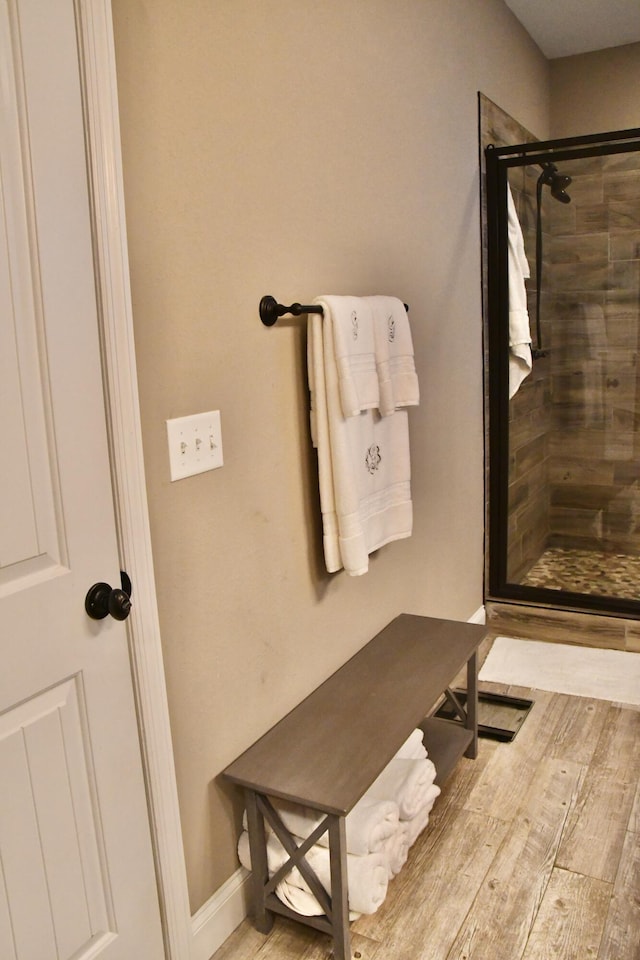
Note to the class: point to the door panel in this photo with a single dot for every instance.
(52, 844)
(77, 875)
(27, 507)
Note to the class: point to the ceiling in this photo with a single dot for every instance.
(562, 28)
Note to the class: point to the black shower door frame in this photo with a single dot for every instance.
(498, 161)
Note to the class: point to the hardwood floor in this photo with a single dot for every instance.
(532, 853)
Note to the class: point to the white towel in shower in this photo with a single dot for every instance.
(363, 464)
(394, 354)
(520, 362)
(354, 346)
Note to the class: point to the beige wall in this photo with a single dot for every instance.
(595, 92)
(296, 148)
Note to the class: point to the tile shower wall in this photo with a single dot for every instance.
(594, 303)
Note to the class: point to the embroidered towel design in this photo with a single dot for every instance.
(373, 458)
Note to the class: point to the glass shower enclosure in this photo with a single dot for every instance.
(563, 233)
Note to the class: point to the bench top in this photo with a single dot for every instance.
(329, 749)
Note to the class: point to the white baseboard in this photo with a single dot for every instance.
(219, 916)
(480, 616)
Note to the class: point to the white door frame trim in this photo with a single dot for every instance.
(121, 389)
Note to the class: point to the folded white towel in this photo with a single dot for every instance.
(350, 321)
(396, 848)
(394, 354)
(413, 748)
(367, 877)
(406, 782)
(363, 464)
(416, 825)
(520, 362)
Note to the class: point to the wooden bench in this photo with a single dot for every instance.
(329, 749)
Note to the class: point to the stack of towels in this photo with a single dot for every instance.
(380, 829)
(361, 377)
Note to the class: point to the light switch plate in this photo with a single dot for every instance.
(195, 444)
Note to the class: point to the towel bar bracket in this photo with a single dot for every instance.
(271, 310)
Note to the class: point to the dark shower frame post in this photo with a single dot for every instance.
(499, 159)
(498, 294)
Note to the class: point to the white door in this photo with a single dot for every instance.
(76, 866)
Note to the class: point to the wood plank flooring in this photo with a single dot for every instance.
(532, 853)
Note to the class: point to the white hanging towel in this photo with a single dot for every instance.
(520, 362)
(354, 348)
(363, 463)
(394, 355)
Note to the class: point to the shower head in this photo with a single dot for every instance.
(558, 182)
(558, 188)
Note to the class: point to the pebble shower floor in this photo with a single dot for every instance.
(587, 571)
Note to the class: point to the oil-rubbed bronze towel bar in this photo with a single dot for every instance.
(271, 310)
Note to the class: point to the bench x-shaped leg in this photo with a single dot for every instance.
(468, 712)
(335, 907)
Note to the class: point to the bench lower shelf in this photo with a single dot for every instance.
(446, 742)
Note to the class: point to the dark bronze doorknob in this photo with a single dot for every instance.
(101, 601)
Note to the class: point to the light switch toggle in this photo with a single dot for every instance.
(195, 444)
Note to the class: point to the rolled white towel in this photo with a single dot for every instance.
(293, 890)
(396, 848)
(413, 748)
(303, 901)
(417, 824)
(406, 782)
(367, 825)
(367, 877)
